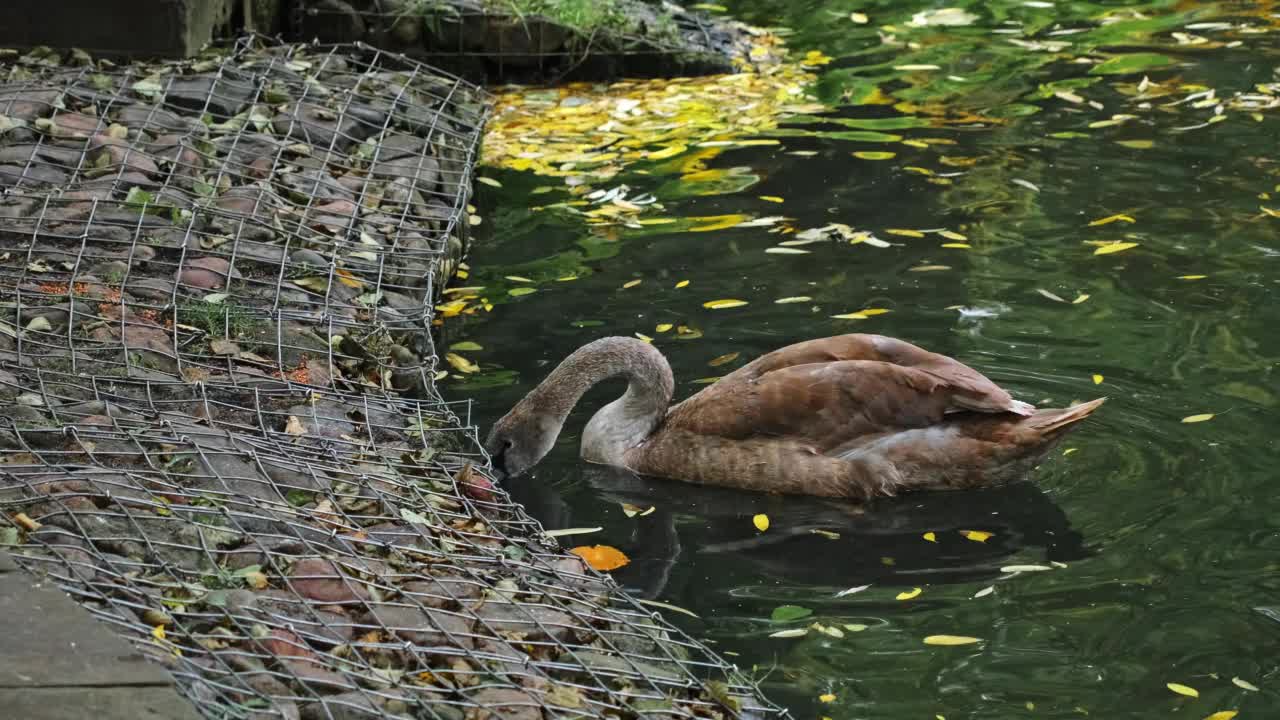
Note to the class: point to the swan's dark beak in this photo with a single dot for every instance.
(499, 462)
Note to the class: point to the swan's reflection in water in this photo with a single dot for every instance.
(695, 533)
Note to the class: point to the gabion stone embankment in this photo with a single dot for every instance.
(529, 41)
(219, 430)
(265, 211)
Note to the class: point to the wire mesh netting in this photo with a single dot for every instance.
(291, 552)
(522, 40)
(248, 212)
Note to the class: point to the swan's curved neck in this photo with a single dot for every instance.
(623, 423)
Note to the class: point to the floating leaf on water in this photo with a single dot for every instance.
(723, 304)
(663, 327)
(950, 235)
(717, 222)
(682, 283)
(1110, 219)
(905, 232)
(1050, 295)
(875, 155)
(957, 246)
(1114, 247)
(1137, 144)
(1244, 684)
(466, 346)
(1198, 418)
(855, 627)
(1097, 379)
(977, 535)
(722, 359)
(518, 278)
(1223, 715)
(788, 613)
(1132, 63)
(850, 316)
(984, 592)
(488, 181)
(852, 590)
(859, 18)
(827, 698)
(948, 16)
(771, 198)
(666, 152)
(761, 521)
(1024, 568)
(601, 557)
(667, 606)
(874, 311)
(518, 291)
(706, 380)
(1183, 689)
(462, 364)
(631, 283)
(825, 533)
(790, 633)
(915, 68)
(951, 640)
(930, 536)
(909, 594)
(928, 268)
(1080, 298)
(1192, 277)
(565, 532)
(792, 299)
(644, 337)
(1026, 184)
(786, 251)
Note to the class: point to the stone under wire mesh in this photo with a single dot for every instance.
(262, 211)
(302, 553)
(510, 40)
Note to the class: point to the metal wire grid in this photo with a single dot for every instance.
(360, 568)
(665, 40)
(335, 176)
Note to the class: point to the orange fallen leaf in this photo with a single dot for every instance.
(601, 557)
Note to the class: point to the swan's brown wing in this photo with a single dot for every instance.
(822, 404)
(971, 389)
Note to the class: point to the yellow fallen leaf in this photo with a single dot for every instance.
(631, 283)
(859, 18)
(601, 557)
(1198, 418)
(1110, 219)
(717, 222)
(1183, 689)
(518, 278)
(157, 632)
(682, 283)
(518, 291)
(951, 640)
(1097, 379)
(957, 245)
(771, 198)
(663, 327)
(930, 537)
(914, 68)
(1080, 298)
(850, 316)
(908, 594)
(904, 232)
(346, 278)
(827, 698)
(761, 521)
(1114, 247)
(1223, 715)
(488, 181)
(874, 155)
(792, 299)
(1192, 277)
(948, 234)
(644, 337)
(928, 268)
(874, 311)
(722, 304)
(666, 152)
(977, 535)
(722, 359)
(461, 364)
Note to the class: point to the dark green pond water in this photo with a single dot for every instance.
(1163, 537)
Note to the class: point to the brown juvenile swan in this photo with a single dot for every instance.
(846, 416)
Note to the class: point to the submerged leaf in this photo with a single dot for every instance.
(788, 613)
(722, 359)
(1135, 62)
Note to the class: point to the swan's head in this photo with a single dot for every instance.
(520, 439)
